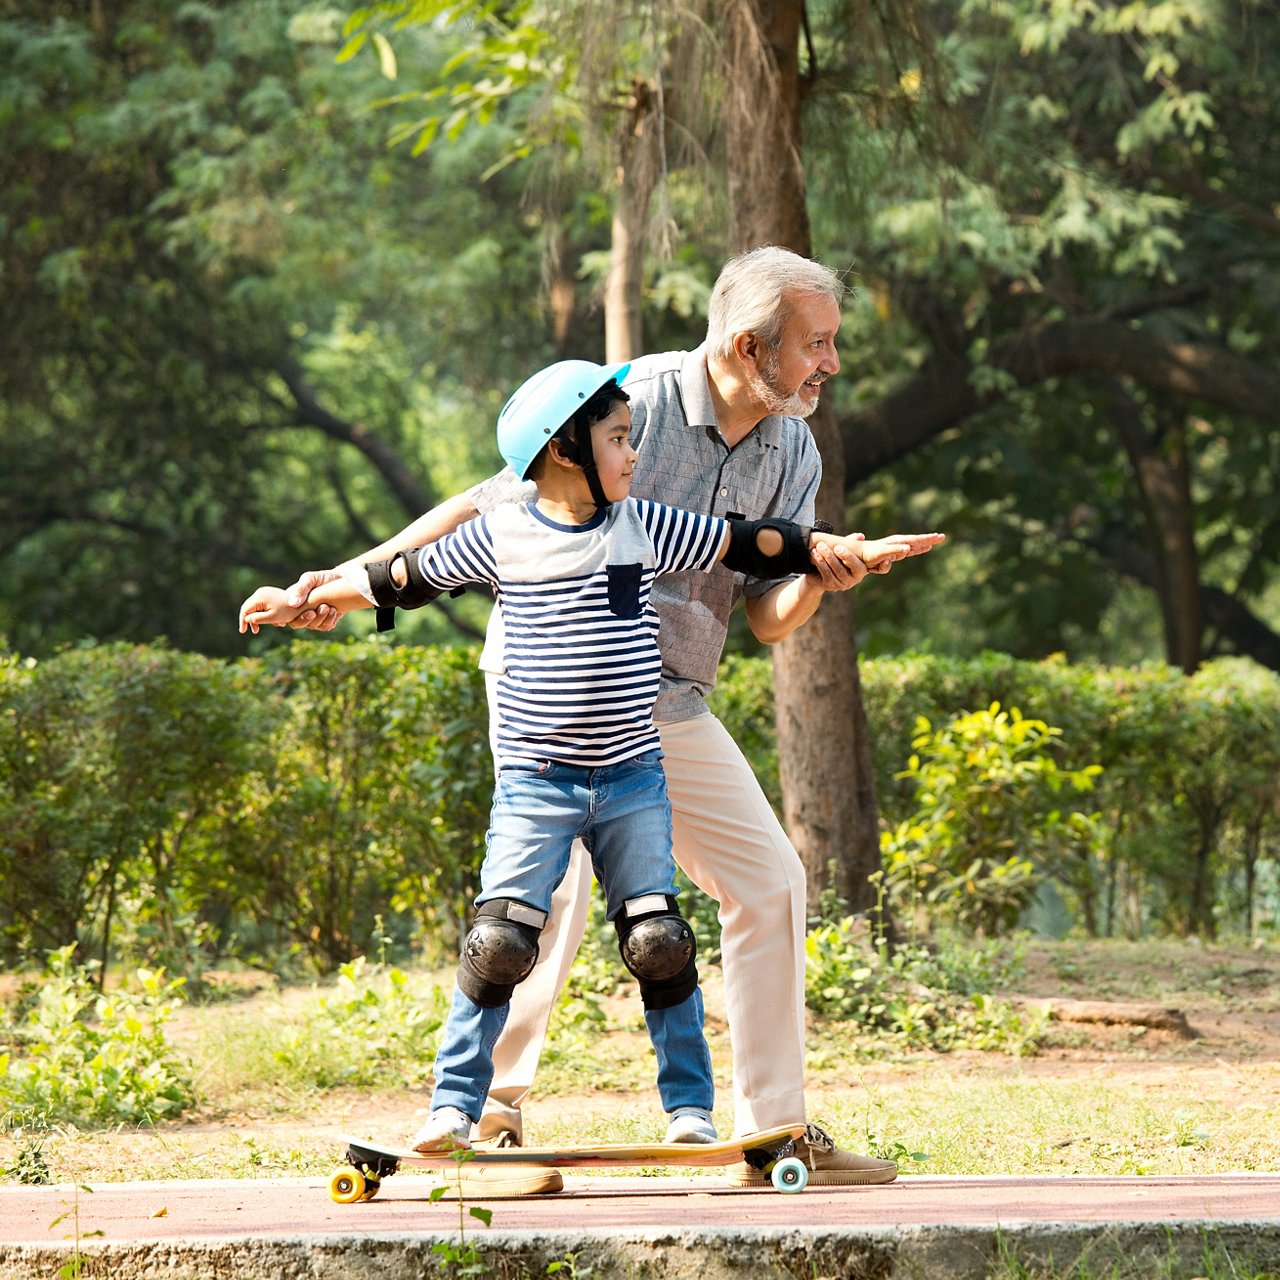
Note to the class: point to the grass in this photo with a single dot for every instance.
(1088, 1100)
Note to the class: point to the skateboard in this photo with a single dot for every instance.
(771, 1151)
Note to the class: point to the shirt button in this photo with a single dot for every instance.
(724, 493)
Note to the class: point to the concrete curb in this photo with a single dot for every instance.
(812, 1253)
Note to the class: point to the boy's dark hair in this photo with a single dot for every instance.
(595, 409)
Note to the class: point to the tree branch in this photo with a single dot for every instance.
(942, 395)
(414, 496)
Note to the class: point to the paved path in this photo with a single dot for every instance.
(136, 1211)
(135, 1229)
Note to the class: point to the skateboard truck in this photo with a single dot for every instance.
(786, 1170)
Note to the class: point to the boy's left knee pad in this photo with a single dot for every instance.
(659, 949)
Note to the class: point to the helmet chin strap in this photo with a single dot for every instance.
(583, 456)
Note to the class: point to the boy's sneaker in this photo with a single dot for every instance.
(691, 1124)
(446, 1130)
(828, 1165)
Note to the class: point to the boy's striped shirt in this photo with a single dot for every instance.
(581, 661)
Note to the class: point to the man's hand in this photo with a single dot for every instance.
(838, 564)
(843, 562)
(323, 617)
(263, 608)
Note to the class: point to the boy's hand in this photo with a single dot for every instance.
(843, 561)
(880, 554)
(267, 607)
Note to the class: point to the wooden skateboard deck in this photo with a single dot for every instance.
(770, 1150)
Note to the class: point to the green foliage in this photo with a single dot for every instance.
(86, 1057)
(376, 1025)
(172, 809)
(1186, 796)
(1065, 165)
(376, 799)
(743, 702)
(917, 996)
(989, 819)
(169, 811)
(117, 765)
(223, 296)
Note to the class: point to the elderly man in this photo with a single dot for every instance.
(719, 429)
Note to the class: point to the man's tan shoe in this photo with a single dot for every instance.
(499, 1181)
(828, 1166)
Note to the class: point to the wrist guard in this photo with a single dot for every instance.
(744, 554)
(388, 597)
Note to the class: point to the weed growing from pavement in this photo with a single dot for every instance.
(461, 1257)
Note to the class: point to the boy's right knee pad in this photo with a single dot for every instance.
(658, 947)
(500, 951)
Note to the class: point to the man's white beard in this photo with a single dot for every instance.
(776, 400)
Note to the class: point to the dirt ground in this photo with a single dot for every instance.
(1229, 996)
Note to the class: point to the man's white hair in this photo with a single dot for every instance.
(754, 292)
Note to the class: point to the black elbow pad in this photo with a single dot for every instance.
(744, 554)
(388, 597)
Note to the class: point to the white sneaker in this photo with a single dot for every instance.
(446, 1130)
(691, 1124)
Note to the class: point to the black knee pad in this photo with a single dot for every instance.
(500, 950)
(658, 948)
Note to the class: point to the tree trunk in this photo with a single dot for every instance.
(829, 803)
(639, 155)
(1160, 467)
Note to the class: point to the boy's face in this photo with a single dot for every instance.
(615, 458)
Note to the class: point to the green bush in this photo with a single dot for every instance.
(377, 1025)
(117, 765)
(375, 801)
(923, 997)
(171, 811)
(994, 818)
(1188, 810)
(84, 1057)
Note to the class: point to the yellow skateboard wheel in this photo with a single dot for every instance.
(790, 1175)
(347, 1186)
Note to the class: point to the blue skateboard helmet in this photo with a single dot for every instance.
(543, 404)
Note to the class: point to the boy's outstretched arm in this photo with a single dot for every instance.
(821, 561)
(878, 554)
(270, 607)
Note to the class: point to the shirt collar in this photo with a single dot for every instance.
(700, 408)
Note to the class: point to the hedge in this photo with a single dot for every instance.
(176, 809)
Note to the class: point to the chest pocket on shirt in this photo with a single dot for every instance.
(624, 590)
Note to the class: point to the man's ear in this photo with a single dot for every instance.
(748, 347)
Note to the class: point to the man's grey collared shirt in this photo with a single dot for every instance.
(685, 462)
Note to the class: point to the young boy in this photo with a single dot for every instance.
(576, 748)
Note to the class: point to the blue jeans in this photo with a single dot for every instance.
(622, 814)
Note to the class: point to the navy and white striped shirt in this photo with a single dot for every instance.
(580, 658)
(684, 461)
